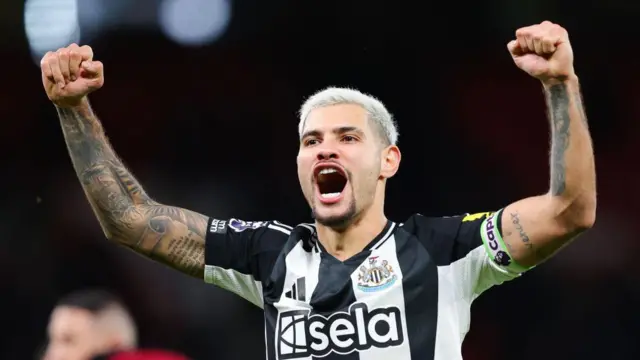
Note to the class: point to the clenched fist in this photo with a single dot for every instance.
(70, 74)
(543, 51)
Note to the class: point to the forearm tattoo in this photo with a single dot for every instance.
(170, 235)
(558, 103)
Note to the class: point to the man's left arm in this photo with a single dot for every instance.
(535, 228)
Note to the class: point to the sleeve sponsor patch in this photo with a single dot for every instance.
(494, 245)
(241, 225)
(218, 226)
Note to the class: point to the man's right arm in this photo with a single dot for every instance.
(170, 235)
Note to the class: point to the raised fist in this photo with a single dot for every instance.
(543, 51)
(70, 74)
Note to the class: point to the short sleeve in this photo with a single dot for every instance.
(465, 249)
(239, 255)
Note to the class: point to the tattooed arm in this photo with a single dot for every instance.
(167, 234)
(535, 228)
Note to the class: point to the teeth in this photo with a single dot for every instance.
(327, 171)
(330, 195)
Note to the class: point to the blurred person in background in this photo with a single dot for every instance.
(88, 323)
(352, 285)
(94, 324)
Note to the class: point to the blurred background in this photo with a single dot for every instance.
(200, 101)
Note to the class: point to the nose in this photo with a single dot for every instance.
(327, 155)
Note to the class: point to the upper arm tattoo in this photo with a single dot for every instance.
(524, 237)
(558, 102)
(171, 235)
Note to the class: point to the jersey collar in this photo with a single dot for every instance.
(311, 243)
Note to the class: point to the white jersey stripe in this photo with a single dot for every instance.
(459, 283)
(283, 225)
(279, 228)
(308, 227)
(300, 265)
(387, 292)
(385, 237)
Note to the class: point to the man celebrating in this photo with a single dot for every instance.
(352, 285)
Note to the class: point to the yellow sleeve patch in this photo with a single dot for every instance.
(476, 216)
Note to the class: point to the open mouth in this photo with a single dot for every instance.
(331, 182)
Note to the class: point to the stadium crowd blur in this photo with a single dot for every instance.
(213, 129)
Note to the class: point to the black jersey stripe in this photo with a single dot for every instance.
(270, 319)
(420, 283)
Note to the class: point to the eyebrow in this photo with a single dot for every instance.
(337, 131)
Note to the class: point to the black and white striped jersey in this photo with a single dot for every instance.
(407, 295)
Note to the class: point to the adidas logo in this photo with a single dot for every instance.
(297, 291)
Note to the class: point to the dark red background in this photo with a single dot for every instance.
(214, 129)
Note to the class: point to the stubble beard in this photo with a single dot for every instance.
(339, 221)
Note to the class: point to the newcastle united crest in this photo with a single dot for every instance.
(375, 275)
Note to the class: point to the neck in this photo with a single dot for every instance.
(345, 243)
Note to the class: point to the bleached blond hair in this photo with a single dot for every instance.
(375, 109)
